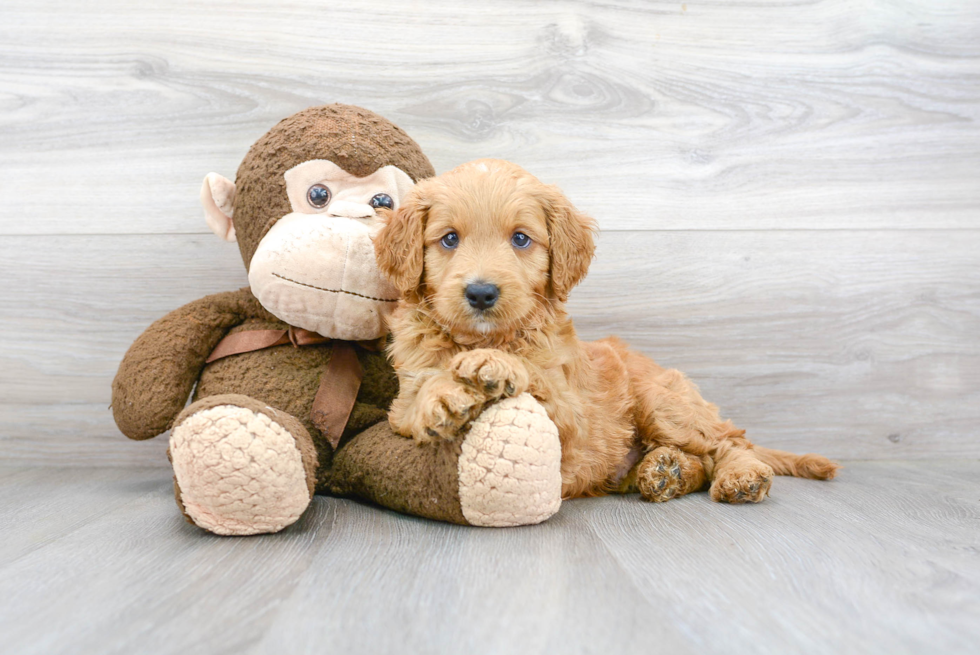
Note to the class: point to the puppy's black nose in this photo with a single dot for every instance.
(482, 296)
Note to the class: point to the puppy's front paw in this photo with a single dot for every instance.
(443, 410)
(744, 482)
(496, 374)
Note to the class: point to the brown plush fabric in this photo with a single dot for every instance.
(287, 378)
(165, 363)
(177, 495)
(358, 140)
(157, 374)
(180, 503)
(160, 368)
(400, 474)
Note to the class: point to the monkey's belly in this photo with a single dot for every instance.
(285, 377)
(288, 377)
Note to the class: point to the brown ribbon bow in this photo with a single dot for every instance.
(339, 382)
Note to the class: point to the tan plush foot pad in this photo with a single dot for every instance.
(239, 471)
(510, 465)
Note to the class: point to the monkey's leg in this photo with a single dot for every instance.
(505, 471)
(240, 466)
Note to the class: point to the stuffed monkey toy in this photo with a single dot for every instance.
(288, 380)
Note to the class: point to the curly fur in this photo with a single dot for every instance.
(453, 360)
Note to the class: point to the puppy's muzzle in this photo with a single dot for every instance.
(482, 296)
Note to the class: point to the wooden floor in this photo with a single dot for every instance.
(882, 560)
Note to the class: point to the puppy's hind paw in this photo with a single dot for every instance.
(743, 484)
(667, 473)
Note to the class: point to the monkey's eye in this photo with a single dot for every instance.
(318, 196)
(382, 200)
(449, 241)
(520, 240)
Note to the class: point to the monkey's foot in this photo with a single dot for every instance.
(510, 465)
(241, 467)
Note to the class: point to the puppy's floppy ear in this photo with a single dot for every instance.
(400, 245)
(572, 236)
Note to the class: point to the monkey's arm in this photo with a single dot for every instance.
(159, 370)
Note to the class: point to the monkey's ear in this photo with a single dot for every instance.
(572, 237)
(400, 245)
(218, 198)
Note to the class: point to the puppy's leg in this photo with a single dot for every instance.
(670, 411)
(438, 409)
(667, 472)
(666, 415)
(493, 373)
(738, 474)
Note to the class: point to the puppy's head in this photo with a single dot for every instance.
(487, 245)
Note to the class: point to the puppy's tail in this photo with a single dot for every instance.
(814, 467)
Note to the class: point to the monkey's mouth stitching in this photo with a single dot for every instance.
(350, 293)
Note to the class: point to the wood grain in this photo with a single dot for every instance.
(789, 188)
(45, 504)
(857, 344)
(823, 569)
(881, 560)
(775, 115)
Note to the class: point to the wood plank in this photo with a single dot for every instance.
(847, 566)
(881, 560)
(140, 574)
(175, 575)
(661, 115)
(859, 344)
(540, 597)
(46, 504)
(856, 344)
(76, 434)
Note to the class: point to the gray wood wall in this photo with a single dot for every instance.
(789, 191)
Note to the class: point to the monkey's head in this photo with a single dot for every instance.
(303, 209)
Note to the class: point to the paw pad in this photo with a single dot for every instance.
(659, 477)
(737, 487)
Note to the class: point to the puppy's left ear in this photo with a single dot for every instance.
(572, 237)
(400, 245)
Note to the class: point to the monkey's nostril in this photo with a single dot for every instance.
(481, 295)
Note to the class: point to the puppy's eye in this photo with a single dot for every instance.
(449, 241)
(520, 240)
(318, 196)
(382, 200)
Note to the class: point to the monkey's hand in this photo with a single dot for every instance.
(160, 368)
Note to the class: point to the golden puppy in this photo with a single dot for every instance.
(485, 256)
